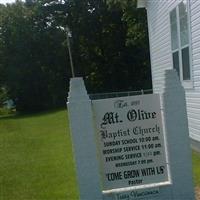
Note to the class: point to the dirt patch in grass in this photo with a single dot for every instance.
(197, 193)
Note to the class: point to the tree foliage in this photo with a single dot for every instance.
(109, 48)
(33, 58)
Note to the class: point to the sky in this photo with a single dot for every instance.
(6, 1)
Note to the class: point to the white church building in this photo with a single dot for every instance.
(174, 37)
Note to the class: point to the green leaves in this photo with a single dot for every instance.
(109, 48)
(31, 52)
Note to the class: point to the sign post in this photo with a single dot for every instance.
(83, 140)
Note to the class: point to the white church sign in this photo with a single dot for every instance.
(131, 141)
(126, 155)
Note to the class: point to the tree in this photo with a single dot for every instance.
(3, 96)
(33, 58)
(109, 46)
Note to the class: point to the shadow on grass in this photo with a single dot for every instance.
(31, 114)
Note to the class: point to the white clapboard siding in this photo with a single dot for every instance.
(161, 58)
(159, 40)
(193, 97)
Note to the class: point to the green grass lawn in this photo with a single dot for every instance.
(36, 158)
(196, 168)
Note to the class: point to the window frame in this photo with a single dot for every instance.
(187, 84)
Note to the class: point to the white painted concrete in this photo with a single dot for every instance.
(176, 123)
(84, 142)
(177, 137)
